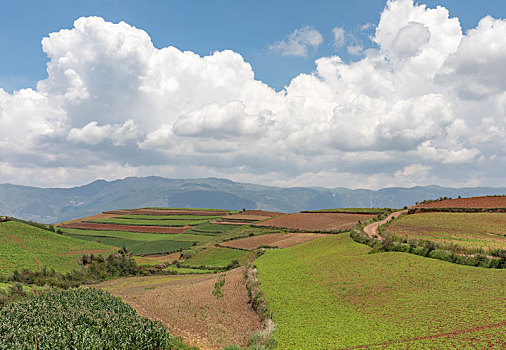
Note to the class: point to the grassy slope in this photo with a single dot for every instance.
(50, 249)
(331, 294)
(216, 257)
(470, 230)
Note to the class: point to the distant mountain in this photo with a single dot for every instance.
(52, 205)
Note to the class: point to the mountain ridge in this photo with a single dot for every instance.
(52, 205)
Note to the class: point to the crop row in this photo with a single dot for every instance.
(80, 319)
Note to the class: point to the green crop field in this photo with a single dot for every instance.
(331, 294)
(139, 236)
(163, 223)
(209, 229)
(80, 319)
(468, 230)
(195, 209)
(168, 217)
(21, 246)
(217, 257)
(139, 247)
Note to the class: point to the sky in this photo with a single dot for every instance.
(362, 94)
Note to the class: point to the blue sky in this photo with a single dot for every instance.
(247, 27)
(358, 94)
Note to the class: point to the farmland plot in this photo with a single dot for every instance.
(332, 294)
(468, 230)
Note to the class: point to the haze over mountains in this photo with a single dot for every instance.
(52, 205)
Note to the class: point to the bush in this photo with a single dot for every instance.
(442, 255)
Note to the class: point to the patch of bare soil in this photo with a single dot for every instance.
(187, 307)
(317, 221)
(167, 212)
(488, 202)
(129, 228)
(281, 240)
(93, 217)
(372, 228)
(260, 213)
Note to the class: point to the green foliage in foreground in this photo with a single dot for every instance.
(330, 293)
(80, 319)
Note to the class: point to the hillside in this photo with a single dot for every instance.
(51, 205)
(27, 247)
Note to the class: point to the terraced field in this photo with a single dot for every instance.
(317, 222)
(468, 230)
(27, 247)
(331, 294)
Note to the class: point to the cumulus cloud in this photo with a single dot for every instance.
(298, 42)
(427, 105)
(339, 36)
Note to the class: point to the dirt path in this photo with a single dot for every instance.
(186, 306)
(372, 229)
(25, 248)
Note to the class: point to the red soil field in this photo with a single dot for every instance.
(166, 212)
(472, 202)
(260, 213)
(317, 221)
(282, 240)
(129, 228)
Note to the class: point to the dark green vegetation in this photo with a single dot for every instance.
(80, 319)
(330, 294)
(140, 247)
(27, 247)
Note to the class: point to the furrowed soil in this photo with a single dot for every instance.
(317, 221)
(488, 202)
(187, 307)
(281, 240)
(128, 228)
(167, 212)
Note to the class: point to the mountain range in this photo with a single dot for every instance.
(53, 205)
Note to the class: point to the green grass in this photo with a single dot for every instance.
(163, 223)
(330, 294)
(168, 217)
(216, 257)
(50, 249)
(139, 236)
(468, 230)
(140, 247)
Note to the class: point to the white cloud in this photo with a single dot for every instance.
(339, 36)
(426, 106)
(298, 42)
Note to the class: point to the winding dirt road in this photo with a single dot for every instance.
(372, 229)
